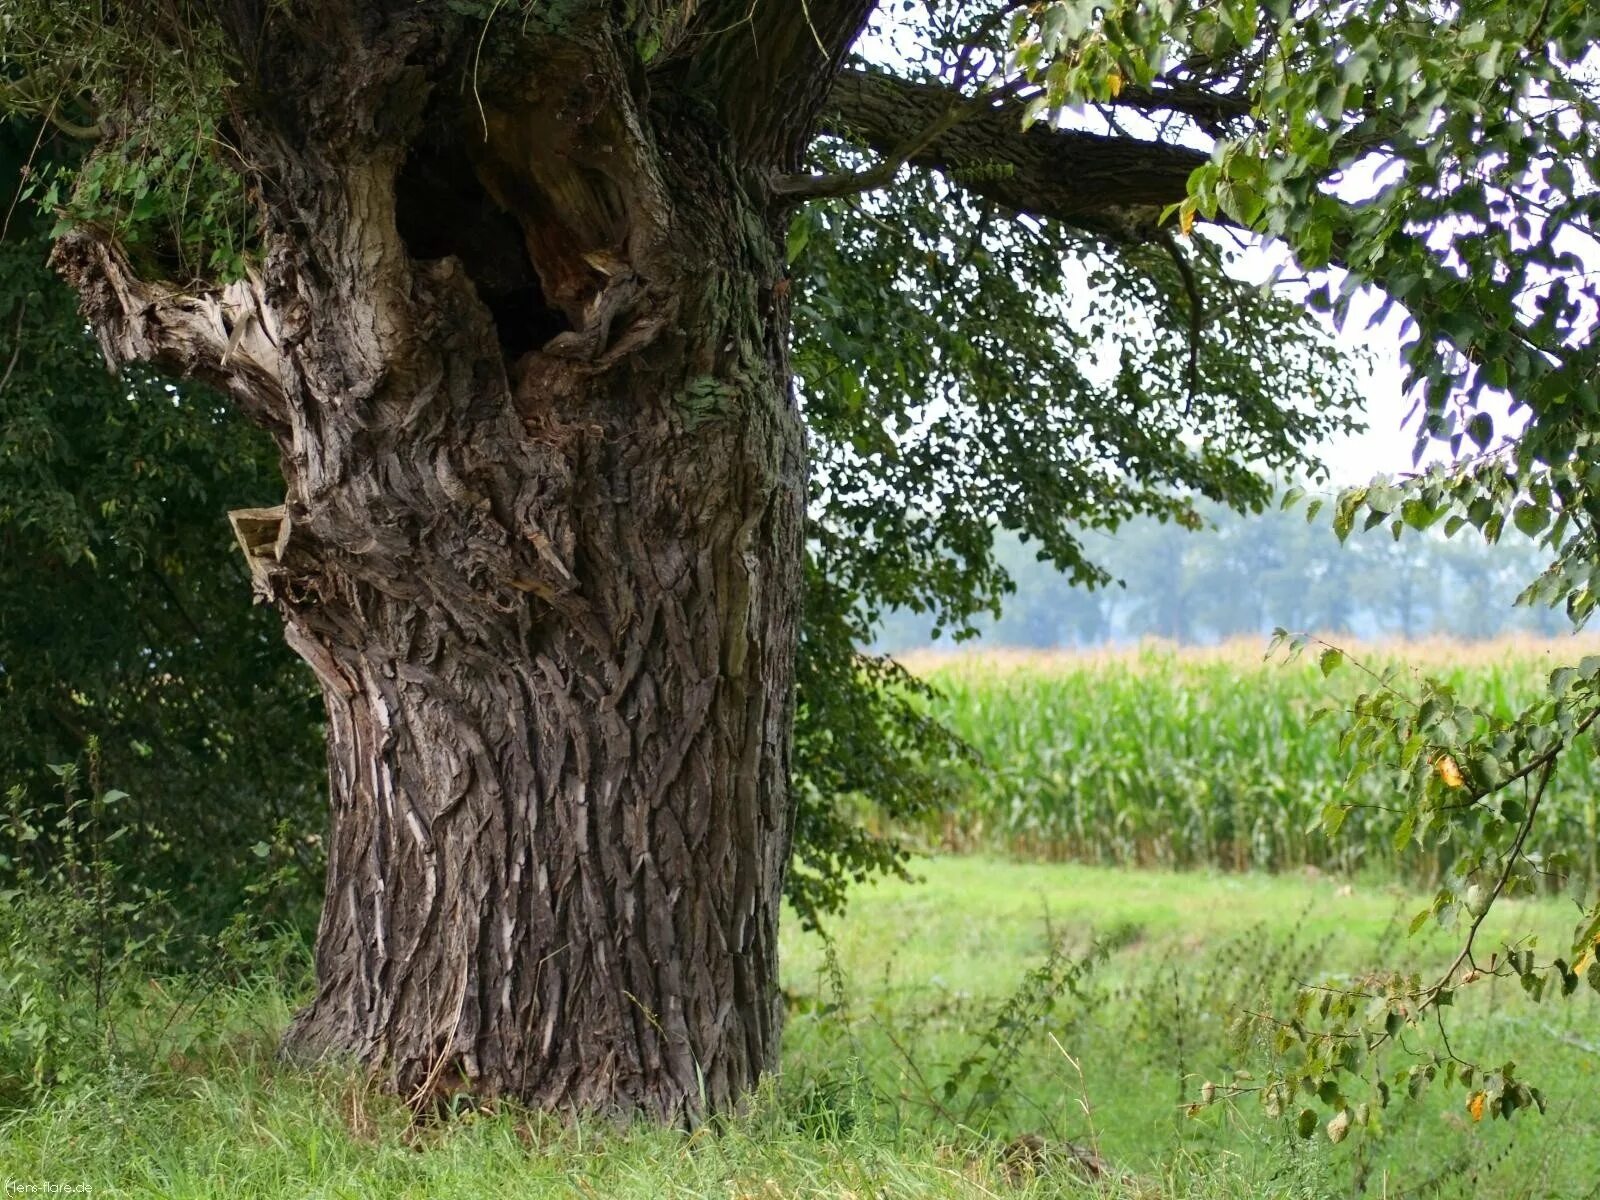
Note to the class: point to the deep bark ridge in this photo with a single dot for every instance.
(520, 331)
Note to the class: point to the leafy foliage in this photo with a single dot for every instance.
(866, 753)
(150, 83)
(126, 618)
(1471, 133)
(965, 376)
(82, 932)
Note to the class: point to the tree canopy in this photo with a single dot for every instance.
(122, 621)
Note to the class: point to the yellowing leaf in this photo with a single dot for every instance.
(1585, 958)
(1185, 220)
(1114, 83)
(1475, 1103)
(1339, 1126)
(1449, 771)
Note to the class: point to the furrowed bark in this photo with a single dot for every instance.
(525, 360)
(770, 63)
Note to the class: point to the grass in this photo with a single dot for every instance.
(914, 983)
(1193, 948)
(1162, 757)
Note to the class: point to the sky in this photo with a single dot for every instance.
(1373, 348)
(1386, 445)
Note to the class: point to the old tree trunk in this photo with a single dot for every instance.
(519, 329)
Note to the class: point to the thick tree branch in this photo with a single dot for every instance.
(853, 183)
(1109, 185)
(769, 64)
(1202, 104)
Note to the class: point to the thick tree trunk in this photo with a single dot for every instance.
(559, 798)
(519, 330)
(541, 544)
(555, 625)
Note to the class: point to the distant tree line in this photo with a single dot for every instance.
(1243, 575)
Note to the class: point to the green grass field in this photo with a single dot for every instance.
(1156, 756)
(974, 1033)
(881, 1018)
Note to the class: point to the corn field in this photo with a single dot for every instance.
(1167, 757)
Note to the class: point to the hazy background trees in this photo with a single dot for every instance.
(1243, 575)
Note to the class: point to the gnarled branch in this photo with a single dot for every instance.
(227, 336)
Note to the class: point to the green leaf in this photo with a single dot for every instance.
(1531, 519)
(798, 238)
(1407, 826)
(1480, 428)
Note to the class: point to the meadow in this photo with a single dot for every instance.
(952, 1037)
(1033, 1013)
(1159, 756)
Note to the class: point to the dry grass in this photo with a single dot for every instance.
(1434, 653)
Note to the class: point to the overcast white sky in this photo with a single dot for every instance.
(1387, 443)
(1375, 357)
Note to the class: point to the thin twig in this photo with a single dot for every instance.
(16, 340)
(1197, 310)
